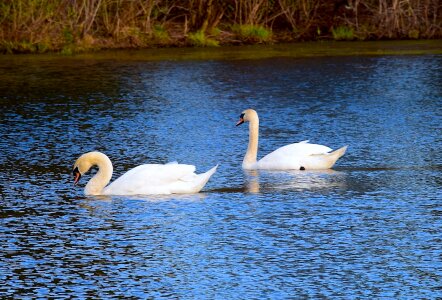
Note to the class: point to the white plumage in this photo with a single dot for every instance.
(297, 156)
(172, 178)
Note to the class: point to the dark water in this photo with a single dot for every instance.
(370, 228)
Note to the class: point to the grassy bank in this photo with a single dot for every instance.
(68, 26)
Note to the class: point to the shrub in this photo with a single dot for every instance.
(413, 34)
(160, 34)
(343, 33)
(253, 33)
(199, 39)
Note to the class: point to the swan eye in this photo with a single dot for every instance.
(75, 171)
(241, 120)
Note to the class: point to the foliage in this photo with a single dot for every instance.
(413, 34)
(80, 25)
(159, 34)
(199, 39)
(343, 33)
(252, 33)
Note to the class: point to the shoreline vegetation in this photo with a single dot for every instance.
(75, 26)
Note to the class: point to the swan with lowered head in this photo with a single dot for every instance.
(297, 156)
(172, 178)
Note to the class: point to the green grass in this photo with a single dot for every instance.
(254, 33)
(160, 34)
(413, 34)
(342, 33)
(199, 39)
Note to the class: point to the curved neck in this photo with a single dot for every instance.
(252, 149)
(97, 183)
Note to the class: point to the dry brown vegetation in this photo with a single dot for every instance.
(77, 25)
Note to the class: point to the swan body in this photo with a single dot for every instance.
(297, 156)
(172, 178)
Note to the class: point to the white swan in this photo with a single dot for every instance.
(172, 178)
(298, 156)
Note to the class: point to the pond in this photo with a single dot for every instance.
(368, 228)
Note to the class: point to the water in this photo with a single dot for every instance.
(369, 228)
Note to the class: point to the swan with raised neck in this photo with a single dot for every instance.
(251, 116)
(296, 156)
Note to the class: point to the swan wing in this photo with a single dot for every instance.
(159, 179)
(292, 156)
(149, 179)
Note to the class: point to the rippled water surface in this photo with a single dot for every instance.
(369, 228)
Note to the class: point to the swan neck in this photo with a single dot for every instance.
(252, 149)
(97, 183)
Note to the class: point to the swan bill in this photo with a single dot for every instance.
(77, 175)
(241, 119)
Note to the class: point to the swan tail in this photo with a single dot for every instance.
(338, 153)
(323, 161)
(204, 178)
(335, 155)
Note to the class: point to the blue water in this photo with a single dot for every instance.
(370, 228)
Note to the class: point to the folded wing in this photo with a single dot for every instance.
(157, 179)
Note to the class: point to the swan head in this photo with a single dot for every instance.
(87, 161)
(81, 166)
(247, 116)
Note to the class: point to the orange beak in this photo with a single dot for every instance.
(77, 176)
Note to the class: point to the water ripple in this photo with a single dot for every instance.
(367, 229)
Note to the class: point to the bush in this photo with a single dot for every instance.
(413, 34)
(343, 33)
(253, 33)
(160, 34)
(199, 39)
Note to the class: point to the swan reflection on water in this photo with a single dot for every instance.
(257, 181)
(107, 206)
(152, 198)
